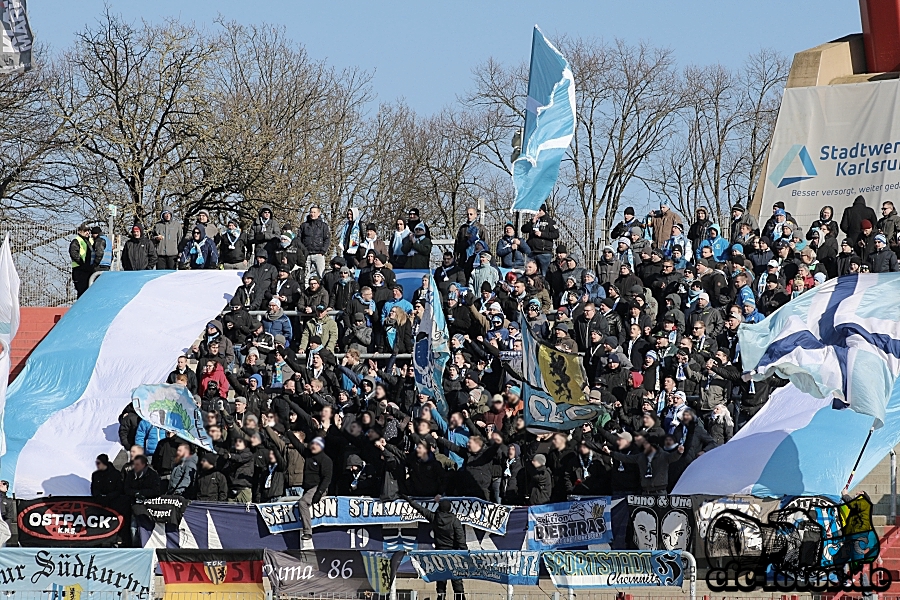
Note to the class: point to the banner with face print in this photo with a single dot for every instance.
(660, 523)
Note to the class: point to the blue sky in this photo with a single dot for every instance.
(424, 51)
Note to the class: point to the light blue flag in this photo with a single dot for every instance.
(841, 339)
(549, 125)
(172, 407)
(432, 349)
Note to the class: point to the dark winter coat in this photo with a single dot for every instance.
(106, 484)
(448, 532)
(854, 215)
(315, 235)
(211, 486)
(139, 254)
(544, 243)
(541, 485)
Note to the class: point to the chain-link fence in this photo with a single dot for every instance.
(41, 254)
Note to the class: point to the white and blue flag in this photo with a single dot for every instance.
(840, 339)
(549, 125)
(839, 345)
(128, 329)
(9, 324)
(432, 349)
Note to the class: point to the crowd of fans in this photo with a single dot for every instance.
(296, 409)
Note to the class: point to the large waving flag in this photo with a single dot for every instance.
(432, 349)
(549, 125)
(840, 339)
(126, 330)
(9, 324)
(839, 345)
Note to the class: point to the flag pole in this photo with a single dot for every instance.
(858, 459)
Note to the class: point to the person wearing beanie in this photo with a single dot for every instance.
(317, 474)
(512, 250)
(628, 221)
(854, 216)
(106, 481)
(774, 296)
(678, 239)
(417, 248)
(138, 252)
(865, 241)
(740, 216)
(371, 243)
(541, 481)
(541, 235)
(883, 260)
(448, 534)
(662, 221)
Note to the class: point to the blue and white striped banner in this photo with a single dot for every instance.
(125, 331)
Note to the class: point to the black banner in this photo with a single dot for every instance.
(165, 509)
(661, 523)
(68, 521)
(331, 571)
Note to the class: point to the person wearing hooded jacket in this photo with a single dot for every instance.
(203, 220)
(167, 237)
(716, 242)
(448, 534)
(265, 231)
(851, 220)
(138, 253)
(263, 272)
(199, 251)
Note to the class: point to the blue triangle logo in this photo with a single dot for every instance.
(797, 150)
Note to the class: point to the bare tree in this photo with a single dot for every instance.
(287, 127)
(32, 180)
(131, 100)
(715, 157)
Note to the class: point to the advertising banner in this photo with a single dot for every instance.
(297, 572)
(17, 39)
(589, 569)
(72, 571)
(516, 568)
(569, 524)
(343, 510)
(70, 521)
(661, 523)
(212, 574)
(831, 144)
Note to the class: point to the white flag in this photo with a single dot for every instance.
(9, 324)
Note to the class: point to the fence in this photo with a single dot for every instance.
(41, 254)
